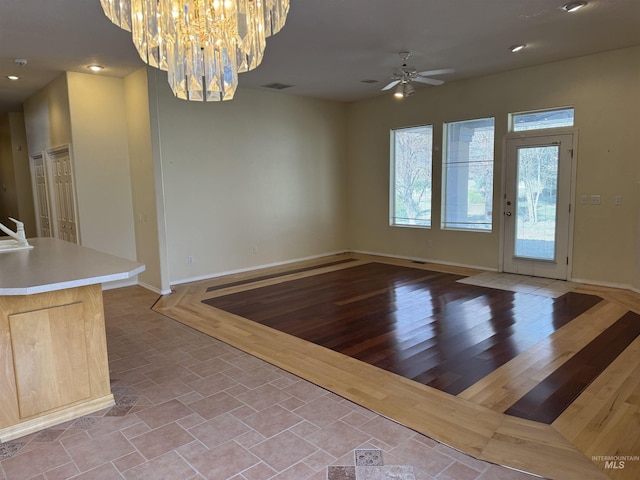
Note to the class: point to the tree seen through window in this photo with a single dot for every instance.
(411, 184)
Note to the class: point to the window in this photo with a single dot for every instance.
(467, 169)
(411, 176)
(541, 119)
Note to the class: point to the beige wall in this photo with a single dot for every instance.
(101, 161)
(254, 181)
(143, 183)
(8, 187)
(22, 172)
(605, 93)
(16, 197)
(88, 112)
(47, 117)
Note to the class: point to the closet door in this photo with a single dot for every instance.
(41, 195)
(63, 199)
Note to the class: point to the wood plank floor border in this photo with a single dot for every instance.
(505, 385)
(552, 451)
(575, 375)
(605, 419)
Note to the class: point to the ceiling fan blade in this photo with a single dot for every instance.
(441, 71)
(430, 81)
(390, 85)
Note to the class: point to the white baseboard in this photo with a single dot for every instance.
(621, 286)
(426, 260)
(250, 269)
(154, 289)
(132, 282)
(365, 252)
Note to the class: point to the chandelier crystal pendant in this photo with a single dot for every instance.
(202, 44)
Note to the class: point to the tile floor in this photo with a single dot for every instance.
(190, 407)
(547, 287)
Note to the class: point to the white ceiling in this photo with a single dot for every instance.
(328, 47)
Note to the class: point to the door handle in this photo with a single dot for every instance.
(508, 214)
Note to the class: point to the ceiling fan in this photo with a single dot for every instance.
(406, 74)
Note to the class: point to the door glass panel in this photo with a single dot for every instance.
(536, 205)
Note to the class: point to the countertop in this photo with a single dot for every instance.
(54, 264)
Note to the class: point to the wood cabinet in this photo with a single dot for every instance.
(50, 358)
(54, 359)
(53, 348)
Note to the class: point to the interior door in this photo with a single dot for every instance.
(537, 205)
(63, 194)
(41, 196)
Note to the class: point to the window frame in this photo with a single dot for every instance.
(513, 116)
(444, 224)
(393, 218)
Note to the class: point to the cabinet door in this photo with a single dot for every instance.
(50, 358)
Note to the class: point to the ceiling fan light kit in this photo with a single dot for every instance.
(404, 90)
(404, 77)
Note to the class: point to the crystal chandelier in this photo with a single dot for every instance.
(202, 44)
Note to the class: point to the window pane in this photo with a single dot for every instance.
(468, 175)
(542, 119)
(537, 201)
(411, 176)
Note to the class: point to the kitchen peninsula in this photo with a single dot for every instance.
(53, 352)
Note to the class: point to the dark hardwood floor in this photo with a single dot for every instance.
(425, 326)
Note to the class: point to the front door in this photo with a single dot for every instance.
(537, 205)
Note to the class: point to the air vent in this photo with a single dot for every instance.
(277, 86)
(369, 81)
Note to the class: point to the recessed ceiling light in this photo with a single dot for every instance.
(573, 6)
(516, 48)
(13, 77)
(95, 68)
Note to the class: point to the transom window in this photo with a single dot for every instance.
(411, 160)
(541, 119)
(467, 170)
